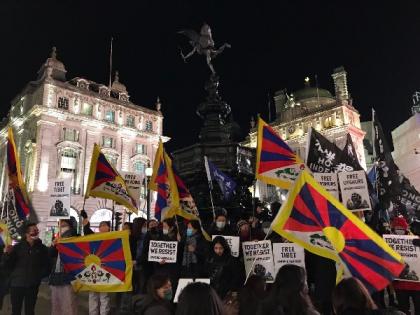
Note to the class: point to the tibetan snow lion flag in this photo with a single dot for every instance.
(277, 164)
(105, 182)
(16, 183)
(99, 262)
(314, 219)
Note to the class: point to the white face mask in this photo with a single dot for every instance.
(143, 230)
(220, 224)
(165, 231)
(266, 230)
(399, 232)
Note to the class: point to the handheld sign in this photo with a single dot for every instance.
(329, 182)
(288, 254)
(258, 259)
(160, 250)
(59, 201)
(354, 190)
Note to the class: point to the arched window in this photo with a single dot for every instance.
(99, 216)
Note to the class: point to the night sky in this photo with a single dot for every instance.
(275, 44)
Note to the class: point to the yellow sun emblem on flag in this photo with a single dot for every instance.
(92, 259)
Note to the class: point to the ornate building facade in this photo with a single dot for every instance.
(56, 123)
(332, 115)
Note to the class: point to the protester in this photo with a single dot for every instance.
(199, 299)
(157, 300)
(100, 302)
(4, 276)
(405, 290)
(62, 293)
(250, 230)
(222, 268)
(195, 251)
(289, 294)
(220, 226)
(251, 295)
(28, 262)
(139, 234)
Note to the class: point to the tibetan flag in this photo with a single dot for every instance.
(277, 164)
(99, 262)
(314, 219)
(16, 183)
(105, 182)
(5, 238)
(159, 181)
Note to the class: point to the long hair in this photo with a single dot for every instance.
(155, 282)
(197, 226)
(222, 241)
(199, 298)
(138, 223)
(352, 294)
(290, 291)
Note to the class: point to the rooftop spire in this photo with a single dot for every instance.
(158, 104)
(54, 53)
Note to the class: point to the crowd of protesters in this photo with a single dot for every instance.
(296, 290)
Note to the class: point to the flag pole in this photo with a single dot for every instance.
(209, 182)
(113, 215)
(110, 65)
(212, 204)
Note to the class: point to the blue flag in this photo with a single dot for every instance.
(227, 184)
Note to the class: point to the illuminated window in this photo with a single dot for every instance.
(110, 116)
(108, 142)
(149, 125)
(130, 121)
(68, 162)
(112, 159)
(140, 148)
(63, 103)
(87, 109)
(139, 167)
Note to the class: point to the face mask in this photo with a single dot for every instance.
(165, 231)
(266, 230)
(143, 230)
(220, 224)
(189, 232)
(168, 294)
(34, 236)
(399, 232)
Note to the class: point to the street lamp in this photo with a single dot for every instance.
(148, 172)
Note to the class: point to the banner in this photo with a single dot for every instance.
(134, 183)
(258, 259)
(354, 190)
(163, 251)
(183, 282)
(99, 262)
(59, 203)
(11, 216)
(233, 242)
(328, 181)
(403, 245)
(288, 254)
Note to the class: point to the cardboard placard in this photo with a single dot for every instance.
(329, 181)
(258, 259)
(59, 200)
(354, 190)
(288, 254)
(163, 251)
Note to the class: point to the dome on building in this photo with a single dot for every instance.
(117, 86)
(53, 68)
(310, 92)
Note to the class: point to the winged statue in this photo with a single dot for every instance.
(203, 44)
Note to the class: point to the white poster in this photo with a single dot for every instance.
(59, 200)
(354, 190)
(183, 282)
(134, 182)
(329, 182)
(258, 259)
(403, 245)
(288, 254)
(233, 242)
(163, 251)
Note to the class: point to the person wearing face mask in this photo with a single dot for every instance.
(139, 234)
(62, 293)
(220, 226)
(158, 298)
(224, 271)
(195, 251)
(27, 262)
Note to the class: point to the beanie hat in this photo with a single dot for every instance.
(399, 222)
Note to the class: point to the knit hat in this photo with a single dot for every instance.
(241, 223)
(399, 222)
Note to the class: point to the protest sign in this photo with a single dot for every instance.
(233, 242)
(403, 245)
(288, 254)
(354, 190)
(59, 201)
(258, 259)
(160, 250)
(329, 182)
(183, 282)
(134, 183)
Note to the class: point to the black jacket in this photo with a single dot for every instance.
(27, 264)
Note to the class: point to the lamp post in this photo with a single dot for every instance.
(149, 172)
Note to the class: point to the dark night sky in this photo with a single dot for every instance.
(275, 44)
